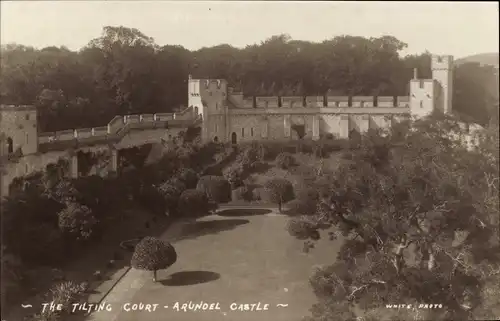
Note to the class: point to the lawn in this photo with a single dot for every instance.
(239, 256)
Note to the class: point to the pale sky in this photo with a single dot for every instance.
(456, 28)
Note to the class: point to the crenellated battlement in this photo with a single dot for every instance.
(292, 101)
(264, 102)
(267, 102)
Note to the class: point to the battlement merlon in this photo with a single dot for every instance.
(441, 62)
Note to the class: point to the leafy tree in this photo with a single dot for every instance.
(153, 254)
(123, 71)
(194, 203)
(171, 191)
(77, 221)
(420, 220)
(476, 86)
(278, 191)
(30, 228)
(217, 188)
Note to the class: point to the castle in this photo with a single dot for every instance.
(224, 116)
(230, 117)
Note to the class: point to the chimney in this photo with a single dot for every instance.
(415, 76)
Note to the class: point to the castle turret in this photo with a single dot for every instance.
(208, 97)
(442, 73)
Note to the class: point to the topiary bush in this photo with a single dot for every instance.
(217, 188)
(194, 203)
(153, 254)
(285, 160)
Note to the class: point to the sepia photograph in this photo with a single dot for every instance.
(249, 161)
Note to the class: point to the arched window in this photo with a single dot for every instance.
(10, 145)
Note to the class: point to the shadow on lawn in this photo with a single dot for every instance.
(243, 212)
(190, 278)
(201, 228)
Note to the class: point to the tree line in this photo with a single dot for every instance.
(124, 71)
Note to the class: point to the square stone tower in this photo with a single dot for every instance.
(442, 73)
(208, 97)
(19, 127)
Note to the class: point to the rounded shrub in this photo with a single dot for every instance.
(194, 203)
(153, 254)
(217, 188)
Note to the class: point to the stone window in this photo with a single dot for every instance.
(243, 132)
(27, 138)
(421, 84)
(421, 104)
(27, 116)
(361, 104)
(251, 131)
